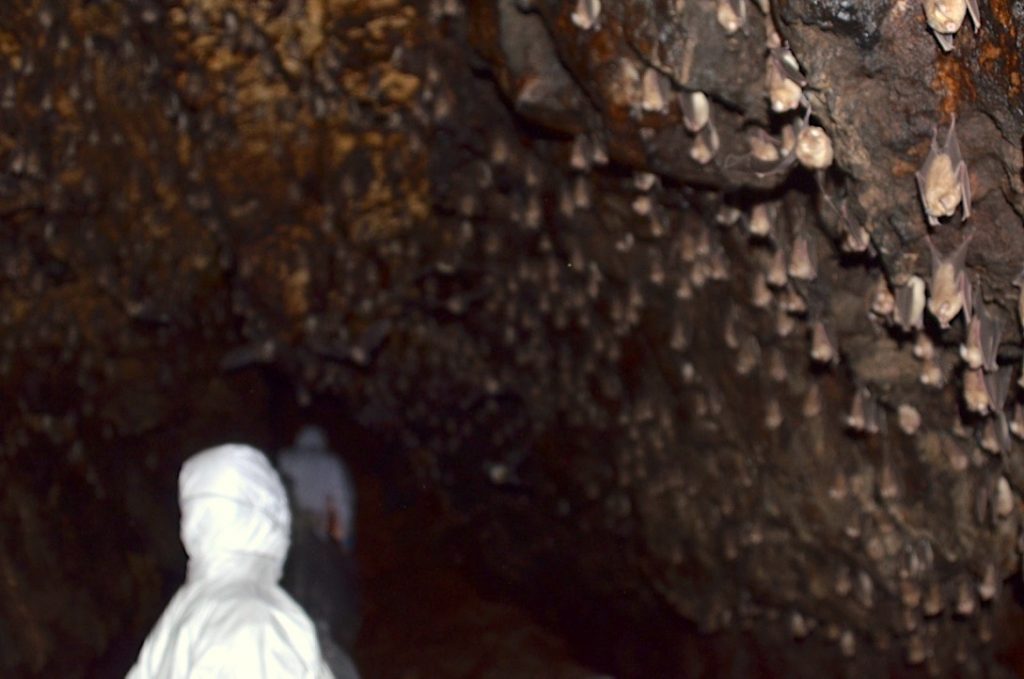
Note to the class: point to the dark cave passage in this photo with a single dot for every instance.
(424, 613)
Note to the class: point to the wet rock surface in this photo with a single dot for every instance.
(676, 369)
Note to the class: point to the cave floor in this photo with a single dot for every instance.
(424, 618)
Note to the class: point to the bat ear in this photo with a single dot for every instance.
(936, 255)
(960, 255)
(1003, 432)
(972, 7)
(965, 189)
(968, 298)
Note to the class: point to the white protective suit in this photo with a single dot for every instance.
(231, 618)
(321, 571)
(321, 486)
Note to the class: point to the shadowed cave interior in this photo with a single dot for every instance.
(664, 339)
(427, 611)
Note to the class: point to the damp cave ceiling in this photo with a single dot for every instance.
(653, 337)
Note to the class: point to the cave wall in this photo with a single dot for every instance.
(485, 229)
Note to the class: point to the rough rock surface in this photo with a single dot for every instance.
(486, 233)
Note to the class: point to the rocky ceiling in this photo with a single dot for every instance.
(666, 299)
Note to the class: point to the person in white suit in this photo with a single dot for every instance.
(321, 569)
(321, 487)
(231, 618)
